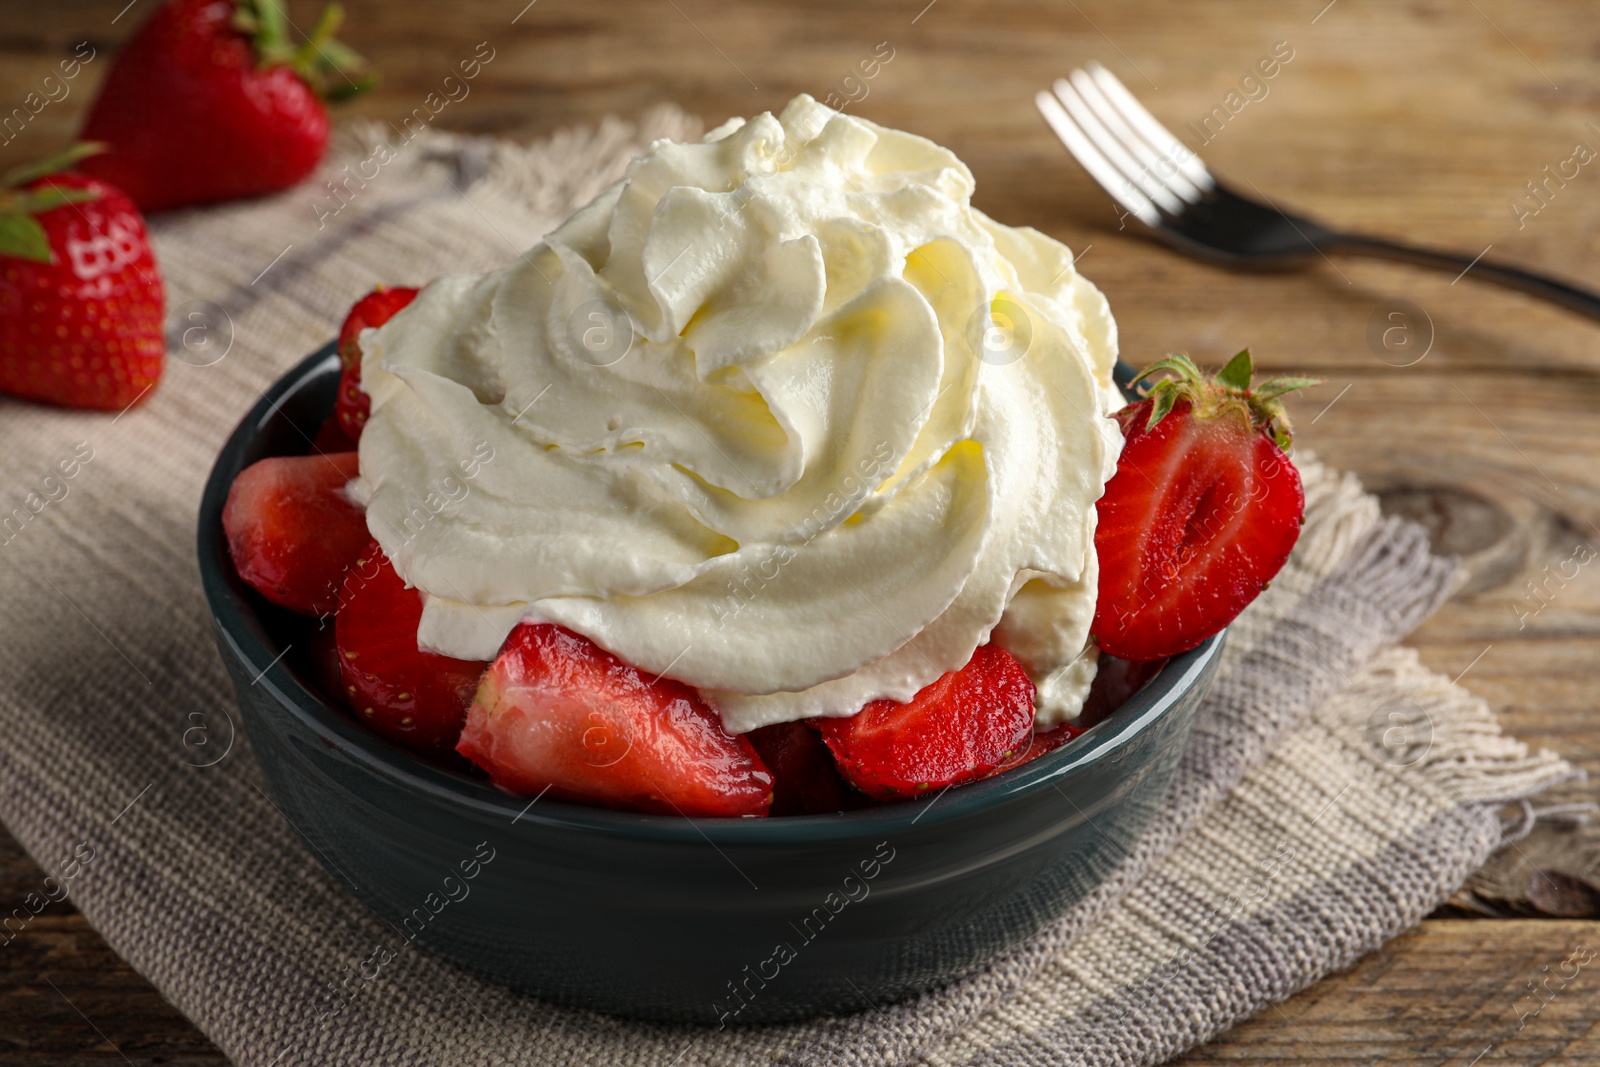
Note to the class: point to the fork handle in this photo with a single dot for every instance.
(1567, 296)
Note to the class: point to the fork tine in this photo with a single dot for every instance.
(1166, 145)
(1099, 168)
(1103, 139)
(1158, 167)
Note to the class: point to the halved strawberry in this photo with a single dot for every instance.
(321, 661)
(804, 778)
(292, 531)
(1202, 511)
(1037, 745)
(376, 308)
(956, 729)
(1114, 682)
(558, 712)
(414, 698)
(331, 437)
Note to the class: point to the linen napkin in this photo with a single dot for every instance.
(1333, 793)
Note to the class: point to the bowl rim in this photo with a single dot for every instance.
(239, 626)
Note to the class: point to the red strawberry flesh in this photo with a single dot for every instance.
(292, 530)
(1115, 681)
(414, 698)
(805, 780)
(556, 712)
(331, 437)
(956, 729)
(1037, 745)
(1202, 512)
(372, 310)
(376, 308)
(1197, 519)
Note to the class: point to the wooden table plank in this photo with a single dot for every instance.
(1422, 119)
(66, 999)
(1393, 1008)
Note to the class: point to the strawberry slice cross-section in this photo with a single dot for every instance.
(292, 530)
(415, 698)
(1202, 512)
(956, 729)
(805, 780)
(373, 310)
(558, 713)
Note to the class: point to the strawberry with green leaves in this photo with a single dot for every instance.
(211, 101)
(80, 296)
(1202, 511)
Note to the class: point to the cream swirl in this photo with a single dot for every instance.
(780, 415)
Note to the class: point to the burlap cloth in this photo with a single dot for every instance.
(1333, 793)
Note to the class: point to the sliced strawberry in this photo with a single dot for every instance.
(805, 780)
(414, 698)
(292, 531)
(376, 308)
(1037, 745)
(1202, 511)
(558, 712)
(1114, 682)
(331, 437)
(321, 660)
(956, 729)
(353, 405)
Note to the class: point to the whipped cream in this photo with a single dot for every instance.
(779, 415)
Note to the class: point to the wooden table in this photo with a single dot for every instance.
(1422, 119)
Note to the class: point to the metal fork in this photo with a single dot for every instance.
(1163, 184)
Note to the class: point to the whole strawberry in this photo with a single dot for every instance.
(80, 296)
(210, 101)
(1202, 512)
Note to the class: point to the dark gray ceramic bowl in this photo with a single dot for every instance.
(697, 920)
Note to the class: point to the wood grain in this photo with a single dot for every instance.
(1421, 119)
(66, 999)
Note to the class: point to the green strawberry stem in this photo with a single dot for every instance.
(21, 234)
(65, 159)
(332, 69)
(1227, 395)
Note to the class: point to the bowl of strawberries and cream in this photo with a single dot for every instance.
(774, 495)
